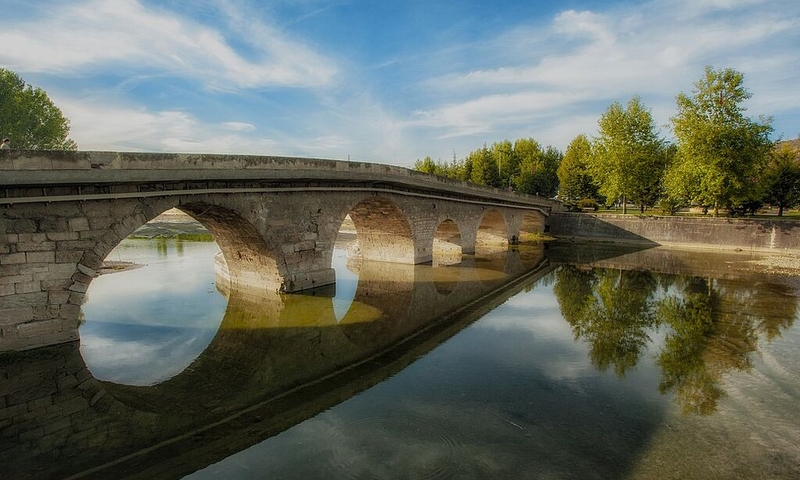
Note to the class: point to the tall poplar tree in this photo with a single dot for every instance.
(721, 152)
(629, 158)
(575, 181)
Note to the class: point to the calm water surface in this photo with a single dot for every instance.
(645, 365)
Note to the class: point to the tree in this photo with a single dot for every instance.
(538, 168)
(506, 160)
(782, 177)
(629, 158)
(29, 118)
(426, 165)
(575, 181)
(484, 168)
(720, 151)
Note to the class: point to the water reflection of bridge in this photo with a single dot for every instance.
(276, 360)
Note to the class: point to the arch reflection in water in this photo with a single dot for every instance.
(147, 323)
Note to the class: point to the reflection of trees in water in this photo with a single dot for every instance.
(610, 310)
(714, 325)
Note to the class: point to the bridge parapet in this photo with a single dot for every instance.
(23, 172)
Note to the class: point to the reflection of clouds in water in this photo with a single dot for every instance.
(177, 273)
(346, 283)
(147, 360)
(146, 325)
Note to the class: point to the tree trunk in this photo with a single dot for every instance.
(716, 209)
(780, 209)
(624, 205)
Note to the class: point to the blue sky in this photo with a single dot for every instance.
(386, 81)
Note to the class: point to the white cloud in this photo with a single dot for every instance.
(238, 126)
(585, 60)
(75, 38)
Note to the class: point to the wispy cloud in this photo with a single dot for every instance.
(74, 38)
(239, 76)
(584, 60)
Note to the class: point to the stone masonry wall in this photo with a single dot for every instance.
(724, 233)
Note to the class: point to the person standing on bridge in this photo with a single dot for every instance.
(6, 144)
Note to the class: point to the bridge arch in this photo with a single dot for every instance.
(533, 223)
(384, 233)
(447, 243)
(492, 232)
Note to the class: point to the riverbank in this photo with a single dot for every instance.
(773, 236)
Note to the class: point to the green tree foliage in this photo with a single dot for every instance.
(720, 151)
(523, 165)
(29, 118)
(506, 160)
(629, 158)
(426, 165)
(537, 168)
(575, 180)
(781, 180)
(484, 168)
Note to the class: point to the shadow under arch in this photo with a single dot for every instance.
(383, 231)
(250, 263)
(492, 233)
(447, 243)
(533, 223)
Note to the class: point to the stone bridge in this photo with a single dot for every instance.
(275, 220)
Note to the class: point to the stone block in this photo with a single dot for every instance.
(14, 316)
(12, 258)
(58, 425)
(53, 225)
(76, 298)
(78, 224)
(79, 287)
(7, 289)
(70, 311)
(40, 257)
(63, 236)
(35, 246)
(79, 277)
(66, 383)
(57, 297)
(32, 237)
(61, 270)
(21, 226)
(28, 287)
(35, 329)
(68, 256)
(304, 246)
(87, 271)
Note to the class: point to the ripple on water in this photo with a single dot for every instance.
(402, 446)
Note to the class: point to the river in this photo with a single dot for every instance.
(564, 361)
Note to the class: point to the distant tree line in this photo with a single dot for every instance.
(721, 159)
(523, 166)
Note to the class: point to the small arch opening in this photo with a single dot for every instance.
(447, 245)
(492, 236)
(532, 227)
